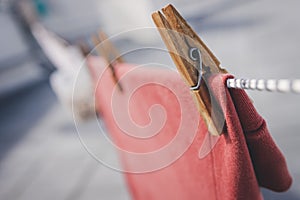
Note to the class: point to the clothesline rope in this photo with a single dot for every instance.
(271, 85)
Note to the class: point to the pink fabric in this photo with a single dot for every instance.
(235, 164)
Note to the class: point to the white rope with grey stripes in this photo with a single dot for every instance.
(271, 85)
(282, 85)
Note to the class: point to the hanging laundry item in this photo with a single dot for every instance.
(71, 82)
(164, 145)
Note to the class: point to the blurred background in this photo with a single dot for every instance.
(41, 156)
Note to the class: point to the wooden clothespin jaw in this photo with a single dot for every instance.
(195, 62)
(106, 49)
(84, 47)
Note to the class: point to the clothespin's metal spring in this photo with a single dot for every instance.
(195, 55)
(282, 85)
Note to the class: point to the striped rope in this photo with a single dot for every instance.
(282, 85)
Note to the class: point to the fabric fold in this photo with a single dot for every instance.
(233, 167)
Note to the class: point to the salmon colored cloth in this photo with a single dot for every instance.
(243, 158)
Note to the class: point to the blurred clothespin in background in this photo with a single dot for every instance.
(108, 51)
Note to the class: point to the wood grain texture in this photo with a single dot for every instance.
(179, 38)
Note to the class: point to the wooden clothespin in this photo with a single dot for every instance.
(106, 49)
(195, 62)
(84, 47)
